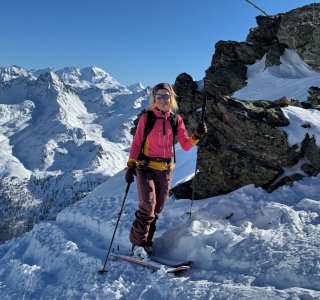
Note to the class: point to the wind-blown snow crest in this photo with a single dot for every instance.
(289, 79)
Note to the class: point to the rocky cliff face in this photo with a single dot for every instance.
(245, 143)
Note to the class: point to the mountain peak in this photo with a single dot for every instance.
(93, 74)
(89, 77)
(50, 80)
(9, 73)
(49, 75)
(137, 87)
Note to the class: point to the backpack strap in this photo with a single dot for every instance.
(174, 125)
(151, 119)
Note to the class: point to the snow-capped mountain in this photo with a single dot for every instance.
(138, 87)
(62, 133)
(7, 74)
(268, 249)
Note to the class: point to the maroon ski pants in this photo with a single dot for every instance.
(153, 188)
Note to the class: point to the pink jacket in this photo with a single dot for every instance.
(158, 144)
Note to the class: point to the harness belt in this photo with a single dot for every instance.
(157, 159)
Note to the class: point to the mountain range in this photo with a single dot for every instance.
(62, 133)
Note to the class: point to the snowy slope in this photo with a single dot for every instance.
(269, 249)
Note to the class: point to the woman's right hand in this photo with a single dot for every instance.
(131, 172)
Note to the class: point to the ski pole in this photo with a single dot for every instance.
(257, 7)
(195, 171)
(103, 270)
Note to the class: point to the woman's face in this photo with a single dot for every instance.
(162, 99)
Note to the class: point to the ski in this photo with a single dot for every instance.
(170, 263)
(151, 264)
(229, 216)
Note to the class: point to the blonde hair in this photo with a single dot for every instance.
(173, 105)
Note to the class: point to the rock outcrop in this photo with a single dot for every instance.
(245, 143)
(297, 29)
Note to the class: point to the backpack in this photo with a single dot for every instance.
(151, 119)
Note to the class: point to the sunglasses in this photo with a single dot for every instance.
(164, 97)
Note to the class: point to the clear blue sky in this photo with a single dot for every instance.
(144, 40)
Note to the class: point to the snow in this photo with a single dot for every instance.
(289, 79)
(16, 118)
(7, 74)
(268, 249)
(298, 117)
(137, 87)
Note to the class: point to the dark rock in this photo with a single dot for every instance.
(283, 101)
(243, 146)
(313, 100)
(273, 55)
(311, 151)
(306, 125)
(309, 169)
(228, 69)
(314, 92)
(266, 33)
(189, 99)
(299, 29)
(296, 103)
(286, 180)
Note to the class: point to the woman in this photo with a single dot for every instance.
(154, 168)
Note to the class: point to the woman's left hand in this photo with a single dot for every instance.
(202, 128)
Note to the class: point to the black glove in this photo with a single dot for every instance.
(202, 128)
(131, 172)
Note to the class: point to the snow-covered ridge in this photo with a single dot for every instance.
(89, 77)
(71, 99)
